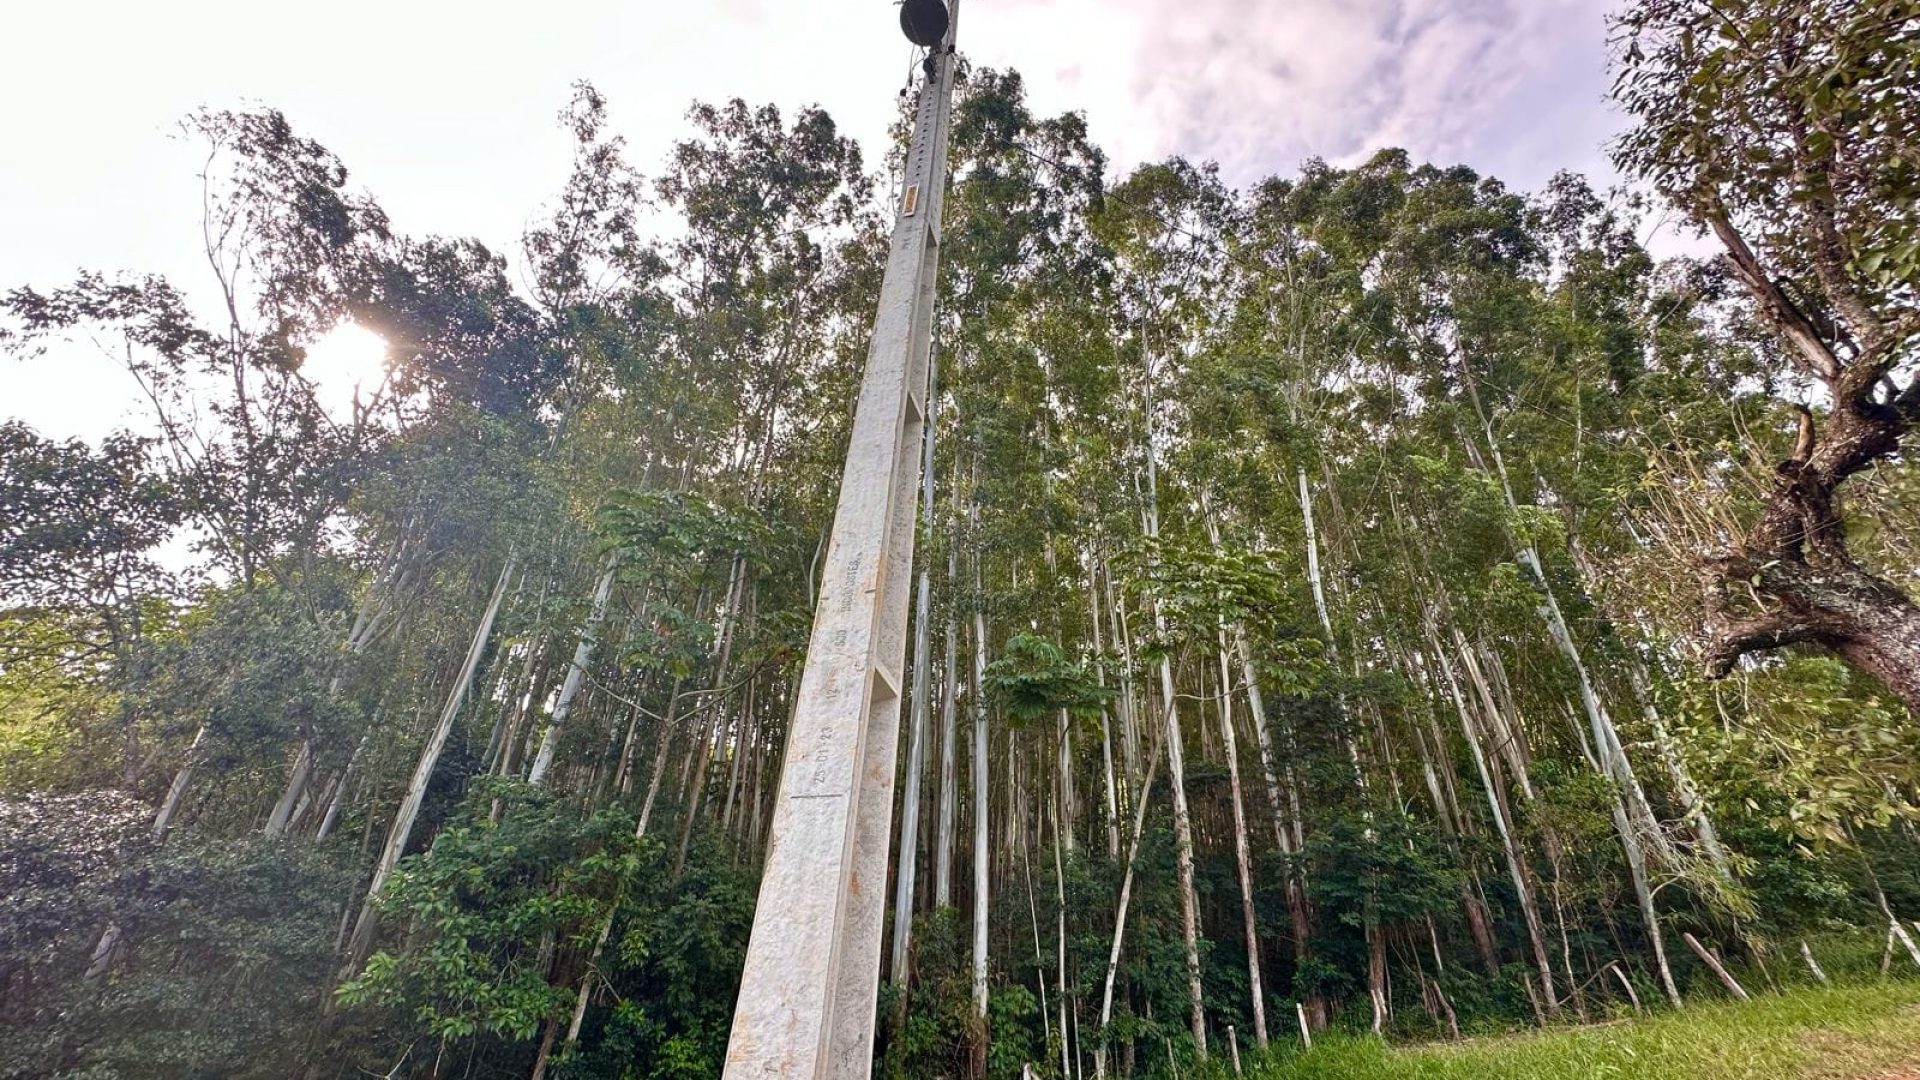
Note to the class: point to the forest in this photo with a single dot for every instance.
(1374, 602)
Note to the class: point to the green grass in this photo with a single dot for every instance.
(1804, 1034)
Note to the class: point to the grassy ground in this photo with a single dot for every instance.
(1852, 1033)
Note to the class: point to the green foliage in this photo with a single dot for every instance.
(671, 972)
(1384, 871)
(1033, 680)
(1735, 101)
(53, 703)
(1011, 1013)
(1829, 742)
(487, 906)
(77, 526)
(222, 950)
(929, 1028)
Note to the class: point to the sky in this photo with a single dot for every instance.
(447, 112)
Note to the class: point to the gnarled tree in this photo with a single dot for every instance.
(1786, 127)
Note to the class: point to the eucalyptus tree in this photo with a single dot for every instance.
(1163, 225)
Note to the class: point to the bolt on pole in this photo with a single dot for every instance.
(808, 990)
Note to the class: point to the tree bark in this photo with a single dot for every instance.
(943, 832)
(576, 673)
(908, 859)
(1243, 858)
(1799, 581)
(1611, 760)
(1713, 963)
(1120, 916)
(1867, 621)
(403, 817)
(1806, 953)
(982, 796)
(170, 806)
(1516, 861)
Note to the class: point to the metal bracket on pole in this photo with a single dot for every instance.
(812, 974)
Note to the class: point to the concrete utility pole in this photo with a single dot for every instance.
(808, 991)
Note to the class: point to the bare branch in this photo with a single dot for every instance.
(1724, 644)
(1775, 305)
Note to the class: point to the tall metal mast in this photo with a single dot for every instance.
(808, 991)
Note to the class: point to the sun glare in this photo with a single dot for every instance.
(346, 359)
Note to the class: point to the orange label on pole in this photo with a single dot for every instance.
(910, 201)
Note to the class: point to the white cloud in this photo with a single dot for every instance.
(445, 108)
(1491, 82)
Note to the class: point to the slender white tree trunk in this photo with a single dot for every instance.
(338, 799)
(1895, 931)
(660, 759)
(907, 861)
(170, 806)
(1120, 916)
(1106, 727)
(576, 673)
(1243, 857)
(403, 817)
(1126, 706)
(1376, 947)
(943, 833)
(1806, 953)
(1060, 942)
(1063, 752)
(369, 621)
(297, 781)
(982, 797)
(1709, 958)
(1183, 850)
(1516, 861)
(1683, 785)
(1611, 753)
(1176, 776)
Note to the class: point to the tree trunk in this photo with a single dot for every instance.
(1612, 760)
(170, 806)
(576, 672)
(1806, 953)
(403, 817)
(1713, 963)
(943, 833)
(1176, 772)
(1120, 917)
(338, 798)
(1183, 850)
(297, 781)
(1300, 920)
(1516, 862)
(1794, 564)
(908, 859)
(1683, 784)
(369, 621)
(1866, 620)
(1243, 858)
(1106, 727)
(1895, 931)
(1060, 938)
(982, 796)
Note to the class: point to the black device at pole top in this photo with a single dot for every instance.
(924, 22)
